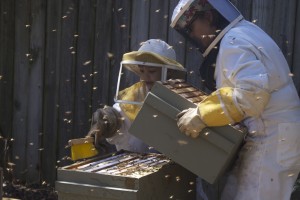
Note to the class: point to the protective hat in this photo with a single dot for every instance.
(152, 53)
(185, 11)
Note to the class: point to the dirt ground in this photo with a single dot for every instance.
(22, 191)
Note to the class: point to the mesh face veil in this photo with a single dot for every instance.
(152, 53)
(154, 61)
(185, 13)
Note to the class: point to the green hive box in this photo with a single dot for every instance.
(207, 156)
(125, 176)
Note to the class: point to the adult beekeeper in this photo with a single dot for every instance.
(253, 86)
(154, 61)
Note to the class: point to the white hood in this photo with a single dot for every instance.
(185, 10)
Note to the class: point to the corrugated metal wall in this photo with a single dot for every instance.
(59, 61)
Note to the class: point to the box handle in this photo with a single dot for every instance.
(207, 134)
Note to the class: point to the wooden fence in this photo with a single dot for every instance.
(59, 61)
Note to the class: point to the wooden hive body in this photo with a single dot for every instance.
(125, 176)
(207, 156)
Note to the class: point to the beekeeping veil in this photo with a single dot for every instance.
(131, 88)
(185, 11)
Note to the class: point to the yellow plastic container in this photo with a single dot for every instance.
(82, 148)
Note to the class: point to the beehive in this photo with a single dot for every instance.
(125, 175)
(207, 156)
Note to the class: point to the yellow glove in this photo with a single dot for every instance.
(220, 109)
(231, 105)
(190, 123)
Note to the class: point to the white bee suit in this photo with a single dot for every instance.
(269, 162)
(153, 53)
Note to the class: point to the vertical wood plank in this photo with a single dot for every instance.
(139, 32)
(159, 11)
(296, 51)
(245, 7)
(21, 88)
(84, 69)
(51, 91)
(283, 26)
(193, 62)
(120, 40)
(102, 52)
(69, 36)
(7, 30)
(263, 13)
(28, 86)
(139, 23)
(35, 86)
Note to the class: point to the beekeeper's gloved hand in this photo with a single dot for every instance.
(106, 122)
(190, 123)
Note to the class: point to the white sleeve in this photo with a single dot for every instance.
(241, 64)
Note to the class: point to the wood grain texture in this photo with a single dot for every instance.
(51, 91)
(59, 60)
